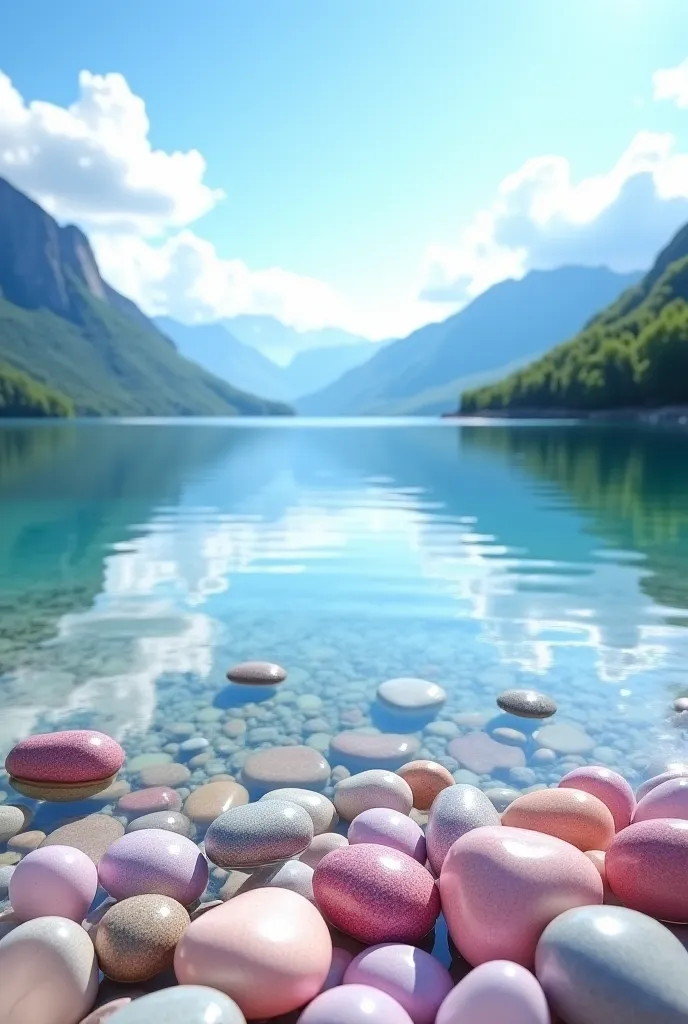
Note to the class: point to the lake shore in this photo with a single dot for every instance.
(672, 414)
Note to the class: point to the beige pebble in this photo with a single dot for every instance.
(222, 777)
(234, 727)
(9, 858)
(92, 835)
(13, 819)
(426, 779)
(320, 846)
(116, 789)
(137, 937)
(199, 760)
(210, 800)
(172, 774)
(25, 842)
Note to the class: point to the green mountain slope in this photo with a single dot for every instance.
(21, 395)
(633, 354)
(62, 324)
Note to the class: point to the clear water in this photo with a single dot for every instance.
(139, 560)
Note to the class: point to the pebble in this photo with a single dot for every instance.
(147, 760)
(426, 779)
(320, 846)
(374, 750)
(211, 800)
(498, 991)
(106, 1010)
(59, 953)
(209, 714)
(55, 881)
(71, 757)
(481, 754)
(647, 867)
(388, 828)
(60, 792)
(185, 1004)
(92, 835)
(322, 811)
(409, 694)
(299, 766)
(12, 820)
(573, 815)
(170, 821)
(502, 886)
(154, 861)
(681, 704)
(257, 673)
(354, 1004)
(258, 834)
(194, 745)
(147, 801)
(10, 858)
(512, 737)
(171, 774)
(669, 800)
(309, 703)
(413, 977)
(269, 950)
(376, 894)
(657, 780)
(137, 937)
(526, 704)
(319, 741)
(612, 964)
(112, 792)
(8, 870)
(373, 788)
(501, 796)
(564, 738)
(608, 786)
(293, 875)
(234, 728)
(455, 812)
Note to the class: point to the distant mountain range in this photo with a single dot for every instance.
(74, 343)
(235, 350)
(505, 327)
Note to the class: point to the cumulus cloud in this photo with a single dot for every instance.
(672, 84)
(93, 161)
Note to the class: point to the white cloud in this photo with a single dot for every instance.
(672, 84)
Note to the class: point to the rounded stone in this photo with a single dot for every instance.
(481, 754)
(512, 737)
(57, 881)
(12, 820)
(7, 870)
(293, 875)
(669, 800)
(106, 1011)
(270, 950)
(135, 764)
(501, 796)
(680, 704)
(320, 846)
(73, 756)
(184, 1004)
(92, 835)
(147, 801)
(409, 694)
(608, 786)
(322, 811)
(258, 834)
(137, 937)
(170, 821)
(612, 964)
(502, 886)
(647, 867)
(299, 767)
(573, 815)
(374, 750)
(426, 779)
(61, 792)
(456, 811)
(564, 738)
(211, 800)
(389, 828)
(153, 861)
(171, 774)
(354, 1004)
(25, 842)
(58, 953)
(526, 703)
(657, 780)
(413, 977)
(373, 788)
(257, 673)
(498, 991)
(376, 894)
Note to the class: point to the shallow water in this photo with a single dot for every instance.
(139, 560)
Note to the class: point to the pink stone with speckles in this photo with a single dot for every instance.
(657, 780)
(608, 786)
(154, 860)
(73, 756)
(146, 801)
(670, 800)
(502, 886)
(376, 894)
(647, 868)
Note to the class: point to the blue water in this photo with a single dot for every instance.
(138, 560)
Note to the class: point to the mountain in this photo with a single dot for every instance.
(65, 327)
(218, 350)
(633, 354)
(280, 342)
(508, 324)
(23, 396)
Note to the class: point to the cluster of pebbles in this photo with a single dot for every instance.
(293, 891)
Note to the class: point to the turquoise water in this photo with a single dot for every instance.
(139, 560)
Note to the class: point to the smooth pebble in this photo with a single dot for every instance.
(456, 811)
(258, 834)
(608, 786)
(388, 828)
(57, 881)
(417, 980)
(354, 1004)
(322, 811)
(498, 992)
(373, 788)
(426, 779)
(154, 861)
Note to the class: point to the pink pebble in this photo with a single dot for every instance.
(647, 868)
(657, 780)
(668, 800)
(386, 827)
(268, 949)
(376, 894)
(498, 992)
(75, 755)
(341, 958)
(413, 977)
(57, 881)
(145, 801)
(354, 1004)
(154, 860)
(502, 886)
(608, 786)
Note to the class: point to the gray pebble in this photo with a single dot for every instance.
(455, 811)
(169, 821)
(183, 1004)
(256, 834)
(526, 703)
(194, 744)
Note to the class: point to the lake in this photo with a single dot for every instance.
(139, 560)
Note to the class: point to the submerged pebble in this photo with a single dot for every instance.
(410, 694)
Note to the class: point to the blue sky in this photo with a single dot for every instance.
(345, 160)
